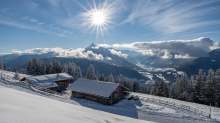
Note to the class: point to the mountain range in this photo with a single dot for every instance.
(129, 63)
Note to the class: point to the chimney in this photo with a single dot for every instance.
(57, 75)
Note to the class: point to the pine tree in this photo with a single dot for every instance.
(64, 68)
(144, 89)
(1, 64)
(174, 91)
(106, 79)
(155, 88)
(28, 68)
(130, 85)
(137, 86)
(184, 87)
(47, 68)
(149, 89)
(110, 78)
(16, 76)
(42, 67)
(102, 77)
(79, 73)
(216, 82)
(209, 91)
(217, 73)
(210, 75)
(163, 89)
(91, 73)
(55, 67)
(192, 84)
(204, 77)
(198, 86)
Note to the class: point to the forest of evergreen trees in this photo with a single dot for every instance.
(203, 89)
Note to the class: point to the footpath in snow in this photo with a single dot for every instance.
(142, 109)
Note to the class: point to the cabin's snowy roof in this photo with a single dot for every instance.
(93, 87)
(47, 81)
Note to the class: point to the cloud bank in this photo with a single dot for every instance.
(183, 48)
(59, 52)
(118, 53)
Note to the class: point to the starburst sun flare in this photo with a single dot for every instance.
(98, 18)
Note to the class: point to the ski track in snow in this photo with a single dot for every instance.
(139, 109)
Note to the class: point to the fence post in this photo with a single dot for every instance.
(210, 111)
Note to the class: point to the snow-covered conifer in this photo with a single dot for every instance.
(16, 76)
(144, 89)
(91, 73)
(198, 86)
(192, 84)
(137, 86)
(130, 85)
(163, 89)
(102, 77)
(47, 68)
(155, 88)
(1, 64)
(204, 77)
(149, 89)
(110, 78)
(64, 68)
(217, 73)
(79, 73)
(28, 68)
(210, 75)
(55, 67)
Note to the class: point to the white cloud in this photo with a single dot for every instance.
(118, 53)
(193, 48)
(169, 16)
(33, 20)
(77, 53)
(108, 58)
(182, 56)
(16, 51)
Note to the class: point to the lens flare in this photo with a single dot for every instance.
(98, 18)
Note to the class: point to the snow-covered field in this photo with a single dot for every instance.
(21, 107)
(22, 103)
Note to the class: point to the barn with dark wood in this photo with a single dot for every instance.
(56, 82)
(102, 92)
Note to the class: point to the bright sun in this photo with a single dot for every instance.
(98, 18)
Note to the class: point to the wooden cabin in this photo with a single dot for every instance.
(56, 82)
(102, 92)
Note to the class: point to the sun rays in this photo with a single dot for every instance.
(97, 18)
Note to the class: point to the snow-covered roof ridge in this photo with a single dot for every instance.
(98, 88)
(47, 81)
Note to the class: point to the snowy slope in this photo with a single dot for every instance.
(215, 113)
(45, 106)
(11, 74)
(29, 108)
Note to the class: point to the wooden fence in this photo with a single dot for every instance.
(196, 110)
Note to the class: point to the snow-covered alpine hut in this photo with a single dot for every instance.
(101, 92)
(58, 81)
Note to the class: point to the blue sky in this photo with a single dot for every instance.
(27, 24)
